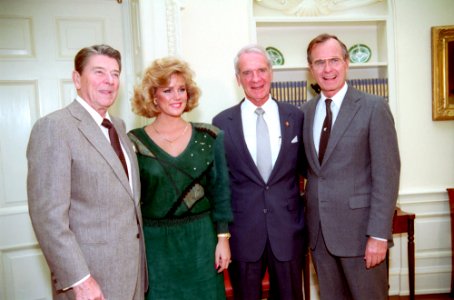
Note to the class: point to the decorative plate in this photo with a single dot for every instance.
(359, 53)
(276, 56)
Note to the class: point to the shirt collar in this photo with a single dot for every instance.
(267, 106)
(93, 113)
(339, 97)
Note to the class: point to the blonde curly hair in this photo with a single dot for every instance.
(158, 75)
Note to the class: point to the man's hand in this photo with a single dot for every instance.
(375, 252)
(88, 290)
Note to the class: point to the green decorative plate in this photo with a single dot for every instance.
(359, 53)
(276, 56)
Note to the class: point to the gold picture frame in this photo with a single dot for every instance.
(443, 73)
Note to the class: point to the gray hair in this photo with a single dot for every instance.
(253, 48)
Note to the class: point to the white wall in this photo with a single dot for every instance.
(426, 146)
(213, 31)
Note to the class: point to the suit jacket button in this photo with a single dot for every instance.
(265, 210)
(138, 235)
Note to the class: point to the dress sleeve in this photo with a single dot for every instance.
(218, 189)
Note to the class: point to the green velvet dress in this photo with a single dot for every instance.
(185, 202)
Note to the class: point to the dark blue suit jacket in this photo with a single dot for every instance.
(265, 210)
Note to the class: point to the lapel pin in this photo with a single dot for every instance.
(287, 124)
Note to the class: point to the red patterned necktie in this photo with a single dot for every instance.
(115, 142)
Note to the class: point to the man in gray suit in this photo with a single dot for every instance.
(353, 178)
(83, 200)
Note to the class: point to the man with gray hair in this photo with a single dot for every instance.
(265, 155)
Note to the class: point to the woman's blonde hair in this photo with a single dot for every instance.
(158, 75)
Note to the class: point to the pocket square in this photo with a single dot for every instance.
(295, 140)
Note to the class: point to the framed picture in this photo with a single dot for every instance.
(443, 73)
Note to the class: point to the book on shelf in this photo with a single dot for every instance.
(295, 92)
(292, 92)
(375, 86)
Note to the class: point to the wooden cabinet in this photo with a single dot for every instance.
(370, 25)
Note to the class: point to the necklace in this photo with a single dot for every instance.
(170, 141)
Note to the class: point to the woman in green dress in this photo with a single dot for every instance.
(185, 198)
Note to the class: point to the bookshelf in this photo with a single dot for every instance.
(370, 25)
(296, 92)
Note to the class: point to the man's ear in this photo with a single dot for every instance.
(76, 79)
(238, 79)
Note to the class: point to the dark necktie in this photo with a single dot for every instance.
(264, 163)
(326, 130)
(115, 141)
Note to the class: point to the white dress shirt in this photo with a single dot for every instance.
(249, 121)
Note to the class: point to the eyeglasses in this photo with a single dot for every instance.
(332, 62)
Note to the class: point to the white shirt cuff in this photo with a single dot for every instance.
(77, 283)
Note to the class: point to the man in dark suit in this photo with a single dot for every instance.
(83, 200)
(267, 231)
(353, 178)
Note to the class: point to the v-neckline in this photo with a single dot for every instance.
(155, 146)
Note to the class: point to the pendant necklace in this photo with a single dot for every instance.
(170, 141)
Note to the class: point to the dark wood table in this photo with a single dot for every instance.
(403, 222)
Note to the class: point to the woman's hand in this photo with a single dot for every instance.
(222, 254)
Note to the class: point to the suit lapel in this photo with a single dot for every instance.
(286, 123)
(309, 133)
(237, 137)
(94, 135)
(347, 112)
(132, 158)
